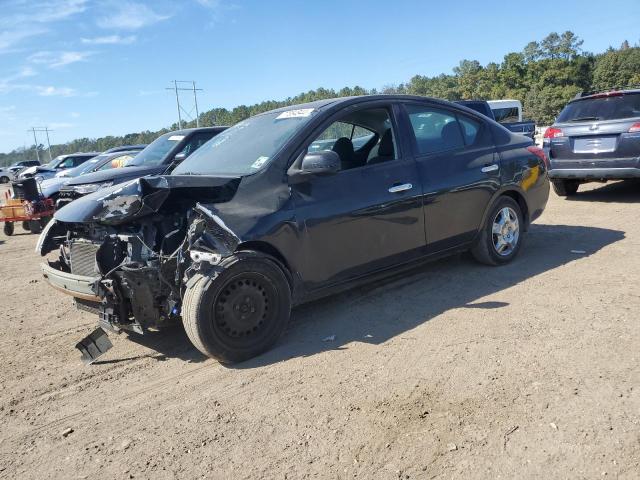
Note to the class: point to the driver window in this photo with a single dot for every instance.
(360, 138)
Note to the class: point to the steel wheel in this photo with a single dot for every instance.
(505, 231)
(243, 306)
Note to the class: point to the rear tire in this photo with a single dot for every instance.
(501, 237)
(25, 225)
(8, 228)
(4, 179)
(240, 312)
(565, 188)
(35, 226)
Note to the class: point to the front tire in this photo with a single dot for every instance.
(240, 312)
(4, 179)
(501, 237)
(565, 188)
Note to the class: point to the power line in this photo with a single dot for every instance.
(177, 89)
(35, 139)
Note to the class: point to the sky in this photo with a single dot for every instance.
(91, 68)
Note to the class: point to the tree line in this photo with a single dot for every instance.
(544, 76)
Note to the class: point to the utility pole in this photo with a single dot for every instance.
(35, 139)
(35, 142)
(177, 89)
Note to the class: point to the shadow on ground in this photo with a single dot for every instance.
(627, 191)
(378, 312)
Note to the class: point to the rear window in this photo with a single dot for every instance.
(614, 107)
(506, 115)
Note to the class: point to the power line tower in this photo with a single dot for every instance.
(46, 130)
(179, 86)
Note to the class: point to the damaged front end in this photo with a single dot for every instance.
(127, 253)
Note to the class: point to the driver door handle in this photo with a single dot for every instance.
(490, 168)
(400, 188)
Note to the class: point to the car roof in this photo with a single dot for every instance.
(187, 131)
(345, 101)
(604, 93)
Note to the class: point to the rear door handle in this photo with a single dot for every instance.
(490, 168)
(400, 188)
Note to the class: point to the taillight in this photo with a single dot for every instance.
(538, 152)
(552, 132)
(635, 128)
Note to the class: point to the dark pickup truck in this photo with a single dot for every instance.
(526, 128)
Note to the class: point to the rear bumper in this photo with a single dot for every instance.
(594, 168)
(594, 173)
(77, 286)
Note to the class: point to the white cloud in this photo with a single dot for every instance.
(22, 19)
(51, 91)
(130, 16)
(58, 59)
(110, 40)
(74, 115)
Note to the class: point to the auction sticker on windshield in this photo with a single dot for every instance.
(259, 162)
(176, 138)
(299, 113)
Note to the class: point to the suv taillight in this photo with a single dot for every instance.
(635, 128)
(552, 132)
(538, 152)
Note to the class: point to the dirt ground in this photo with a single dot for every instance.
(454, 371)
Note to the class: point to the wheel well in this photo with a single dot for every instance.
(517, 196)
(268, 249)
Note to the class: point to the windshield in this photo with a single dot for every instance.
(613, 107)
(82, 168)
(55, 162)
(247, 146)
(157, 151)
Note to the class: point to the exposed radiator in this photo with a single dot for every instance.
(82, 257)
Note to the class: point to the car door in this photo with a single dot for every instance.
(459, 170)
(363, 218)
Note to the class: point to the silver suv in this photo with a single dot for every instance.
(596, 137)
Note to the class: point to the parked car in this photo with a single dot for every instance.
(596, 137)
(506, 112)
(10, 173)
(51, 188)
(258, 220)
(61, 162)
(160, 156)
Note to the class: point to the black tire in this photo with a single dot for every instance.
(44, 221)
(35, 226)
(565, 188)
(485, 250)
(240, 312)
(25, 225)
(8, 228)
(4, 179)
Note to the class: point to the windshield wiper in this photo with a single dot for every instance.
(583, 119)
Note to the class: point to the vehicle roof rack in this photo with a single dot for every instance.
(618, 88)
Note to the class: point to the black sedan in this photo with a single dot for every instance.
(292, 205)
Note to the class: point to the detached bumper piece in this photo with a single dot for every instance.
(78, 286)
(94, 346)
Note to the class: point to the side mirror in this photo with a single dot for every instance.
(324, 162)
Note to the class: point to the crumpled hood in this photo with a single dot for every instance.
(140, 197)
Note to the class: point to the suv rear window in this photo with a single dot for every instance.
(614, 107)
